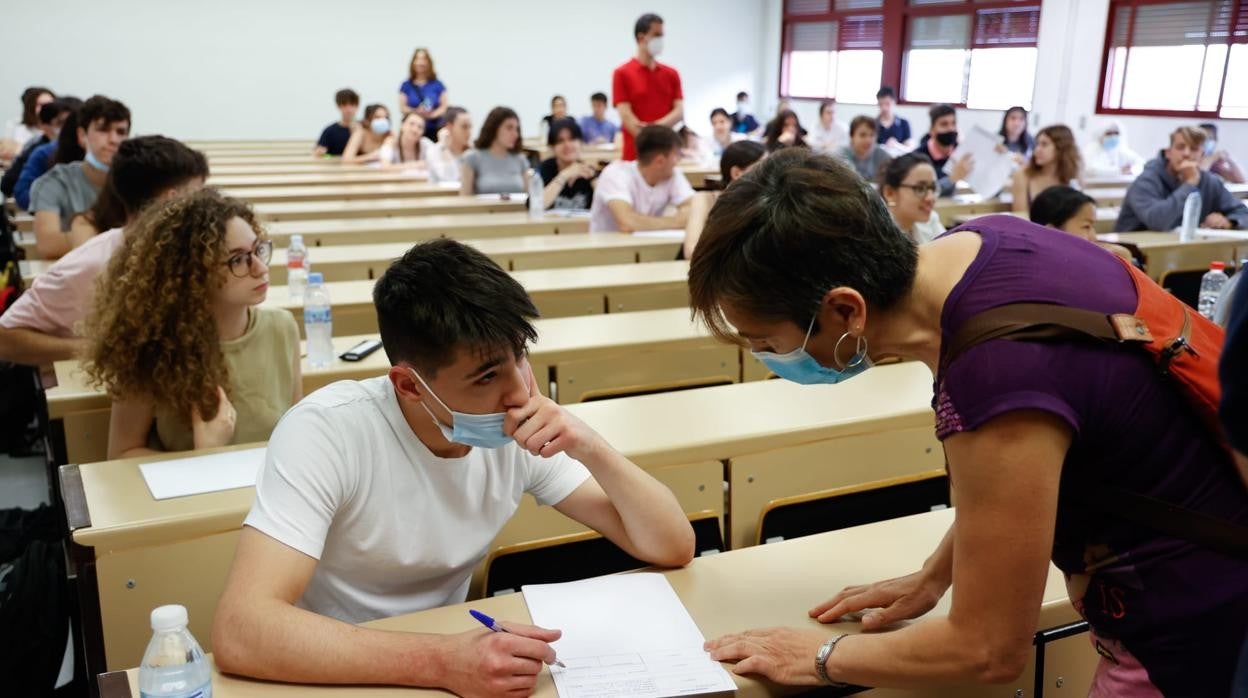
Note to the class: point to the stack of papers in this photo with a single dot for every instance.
(991, 170)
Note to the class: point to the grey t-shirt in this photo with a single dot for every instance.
(496, 175)
(869, 167)
(64, 189)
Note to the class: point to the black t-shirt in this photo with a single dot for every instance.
(334, 138)
(577, 195)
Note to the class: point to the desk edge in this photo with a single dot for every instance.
(114, 684)
(77, 515)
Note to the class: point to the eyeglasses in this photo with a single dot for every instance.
(921, 190)
(240, 264)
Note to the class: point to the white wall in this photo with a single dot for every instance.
(269, 68)
(1072, 38)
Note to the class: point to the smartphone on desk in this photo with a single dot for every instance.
(361, 350)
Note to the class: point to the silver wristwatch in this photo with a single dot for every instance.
(821, 661)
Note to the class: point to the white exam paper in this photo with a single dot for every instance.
(669, 234)
(200, 474)
(625, 635)
(991, 169)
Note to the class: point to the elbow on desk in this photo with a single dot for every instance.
(998, 663)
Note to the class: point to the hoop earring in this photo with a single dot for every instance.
(860, 352)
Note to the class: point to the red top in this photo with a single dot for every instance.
(650, 91)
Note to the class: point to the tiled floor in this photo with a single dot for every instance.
(23, 482)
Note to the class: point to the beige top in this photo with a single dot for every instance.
(262, 378)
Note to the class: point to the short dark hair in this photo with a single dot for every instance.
(792, 228)
(494, 121)
(346, 96)
(897, 169)
(742, 95)
(442, 296)
(101, 108)
(68, 149)
(863, 120)
(886, 91)
(143, 168)
(598, 97)
(1056, 205)
(53, 109)
(644, 22)
(1006, 117)
(740, 154)
(720, 111)
(556, 98)
(371, 110)
(558, 126)
(656, 140)
(826, 105)
(938, 111)
(30, 96)
(452, 113)
(1210, 127)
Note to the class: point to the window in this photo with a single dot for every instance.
(977, 53)
(1200, 46)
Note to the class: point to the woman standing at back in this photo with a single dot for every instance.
(423, 92)
(1055, 162)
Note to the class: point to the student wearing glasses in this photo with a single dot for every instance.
(909, 187)
(180, 342)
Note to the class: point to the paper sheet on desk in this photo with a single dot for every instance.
(992, 169)
(670, 234)
(200, 474)
(625, 635)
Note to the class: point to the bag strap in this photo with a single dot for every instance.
(1046, 322)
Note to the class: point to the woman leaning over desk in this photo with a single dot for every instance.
(801, 261)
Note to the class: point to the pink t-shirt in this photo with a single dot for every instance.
(61, 297)
(621, 181)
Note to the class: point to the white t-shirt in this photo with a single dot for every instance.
(924, 232)
(828, 140)
(394, 528)
(621, 181)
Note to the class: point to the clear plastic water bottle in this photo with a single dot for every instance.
(318, 322)
(1191, 217)
(1211, 287)
(537, 207)
(174, 665)
(296, 268)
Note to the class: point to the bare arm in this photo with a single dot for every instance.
(81, 230)
(49, 240)
(699, 209)
(1018, 187)
(443, 104)
(128, 426)
(674, 116)
(467, 180)
(22, 345)
(351, 154)
(628, 121)
(628, 220)
(403, 107)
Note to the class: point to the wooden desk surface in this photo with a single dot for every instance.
(357, 231)
(242, 181)
(310, 165)
(261, 158)
(210, 143)
(432, 205)
(343, 192)
(761, 586)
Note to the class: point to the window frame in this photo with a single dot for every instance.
(896, 20)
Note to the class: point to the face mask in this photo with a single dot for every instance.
(654, 45)
(380, 126)
(1209, 146)
(744, 107)
(800, 367)
(948, 138)
(480, 430)
(94, 162)
(1110, 142)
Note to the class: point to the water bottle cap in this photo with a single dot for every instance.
(1219, 266)
(316, 277)
(169, 617)
(296, 238)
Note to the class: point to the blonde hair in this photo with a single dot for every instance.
(1194, 135)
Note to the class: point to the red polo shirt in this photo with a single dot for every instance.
(650, 91)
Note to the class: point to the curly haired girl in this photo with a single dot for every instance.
(178, 338)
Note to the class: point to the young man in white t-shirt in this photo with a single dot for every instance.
(634, 195)
(379, 497)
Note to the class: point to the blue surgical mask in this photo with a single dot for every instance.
(1210, 145)
(800, 367)
(1110, 142)
(380, 126)
(94, 162)
(480, 430)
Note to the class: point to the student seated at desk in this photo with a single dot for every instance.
(634, 194)
(829, 135)
(722, 134)
(373, 140)
(70, 188)
(411, 148)
(598, 130)
(893, 131)
(784, 131)
(1217, 161)
(18, 134)
(1155, 200)
(52, 117)
(738, 158)
(908, 185)
(180, 342)
(379, 497)
(334, 138)
(569, 182)
(1071, 211)
(1014, 136)
(801, 263)
(447, 154)
(743, 121)
(862, 151)
(558, 110)
(44, 324)
(497, 164)
(939, 144)
(1109, 154)
(64, 148)
(1054, 162)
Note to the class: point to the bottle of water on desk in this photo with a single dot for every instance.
(537, 207)
(174, 665)
(296, 268)
(1211, 287)
(318, 322)
(1191, 217)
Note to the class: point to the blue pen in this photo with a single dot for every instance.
(495, 627)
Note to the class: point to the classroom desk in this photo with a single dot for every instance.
(342, 192)
(411, 229)
(254, 143)
(261, 158)
(764, 586)
(243, 181)
(379, 208)
(1104, 223)
(147, 552)
(310, 166)
(1164, 254)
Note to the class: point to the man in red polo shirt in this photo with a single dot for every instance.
(646, 92)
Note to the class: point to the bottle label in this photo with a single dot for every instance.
(317, 315)
(294, 263)
(202, 692)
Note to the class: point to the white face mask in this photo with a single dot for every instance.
(654, 45)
